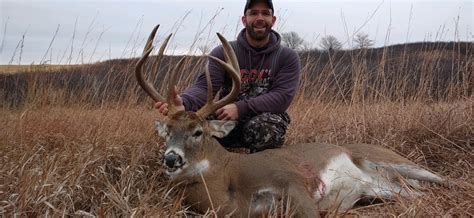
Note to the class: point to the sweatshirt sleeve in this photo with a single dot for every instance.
(282, 92)
(195, 96)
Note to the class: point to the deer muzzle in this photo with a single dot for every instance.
(173, 161)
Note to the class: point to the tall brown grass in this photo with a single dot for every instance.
(81, 141)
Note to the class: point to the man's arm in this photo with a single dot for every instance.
(282, 92)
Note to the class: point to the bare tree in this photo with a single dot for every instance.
(292, 40)
(362, 40)
(204, 49)
(330, 43)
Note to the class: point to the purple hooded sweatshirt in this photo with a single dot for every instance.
(263, 89)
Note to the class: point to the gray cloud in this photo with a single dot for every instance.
(116, 29)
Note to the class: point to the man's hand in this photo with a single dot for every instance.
(175, 99)
(228, 112)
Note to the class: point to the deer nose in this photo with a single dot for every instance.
(172, 160)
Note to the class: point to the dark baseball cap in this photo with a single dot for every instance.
(250, 2)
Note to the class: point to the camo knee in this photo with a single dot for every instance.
(265, 131)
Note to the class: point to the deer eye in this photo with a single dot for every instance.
(197, 133)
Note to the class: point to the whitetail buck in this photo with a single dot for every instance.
(313, 177)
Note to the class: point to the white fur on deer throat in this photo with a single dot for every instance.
(200, 167)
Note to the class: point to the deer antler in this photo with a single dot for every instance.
(145, 84)
(233, 70)
(231, 66)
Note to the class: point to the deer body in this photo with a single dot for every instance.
(315, 176)
(312, 177)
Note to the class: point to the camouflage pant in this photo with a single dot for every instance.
(264, 131)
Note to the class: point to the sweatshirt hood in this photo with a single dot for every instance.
(275, 40)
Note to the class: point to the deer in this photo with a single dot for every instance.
(315, 177)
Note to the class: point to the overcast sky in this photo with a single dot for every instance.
(81, 31)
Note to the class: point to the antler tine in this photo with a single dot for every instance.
(145, 84)
(233, 70)
(172, 83)
(149, 41)
(229, 53)
(157, 62)
(210, 97)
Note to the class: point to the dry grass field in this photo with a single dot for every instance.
(34, 68)
(89, 151)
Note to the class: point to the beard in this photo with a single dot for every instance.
(258, 35)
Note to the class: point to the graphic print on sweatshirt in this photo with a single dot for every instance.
(254, 83)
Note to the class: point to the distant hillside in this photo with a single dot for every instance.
(408, 71)
(404, 68)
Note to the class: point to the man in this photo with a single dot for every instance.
(270, 76)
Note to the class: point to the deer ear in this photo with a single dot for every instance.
(161, 128)
(220, 128)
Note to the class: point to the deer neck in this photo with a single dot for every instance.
(217, 156)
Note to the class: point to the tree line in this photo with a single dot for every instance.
(327, 43)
